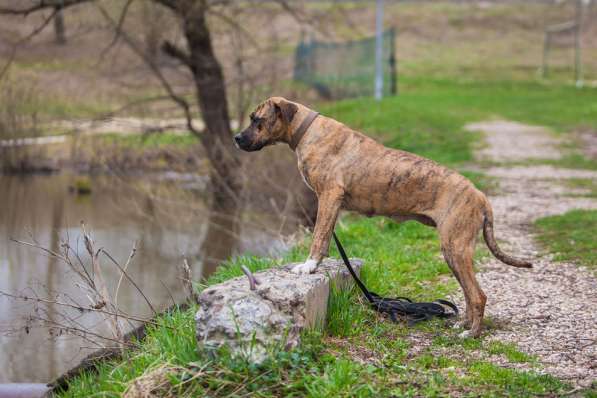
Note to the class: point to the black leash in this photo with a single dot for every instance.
(400, 306)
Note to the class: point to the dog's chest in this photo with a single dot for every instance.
(304, 172)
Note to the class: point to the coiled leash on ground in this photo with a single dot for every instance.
(400, 306)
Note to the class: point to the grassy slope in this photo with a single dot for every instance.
(359, 354)
(571, 236)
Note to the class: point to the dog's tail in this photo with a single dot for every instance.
(492, 244)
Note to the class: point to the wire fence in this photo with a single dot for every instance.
(344, 70)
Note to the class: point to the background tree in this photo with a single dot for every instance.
(59, 30)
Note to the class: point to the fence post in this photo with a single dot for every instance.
(379, 50)
(546, 44)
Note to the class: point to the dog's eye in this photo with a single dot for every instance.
(258, 121)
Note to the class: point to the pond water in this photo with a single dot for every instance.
(165, 215)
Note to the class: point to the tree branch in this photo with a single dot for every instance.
(171, 4)
(174, 51)
(41, 5)
(156, 71)
(118, 28)
(13, 51)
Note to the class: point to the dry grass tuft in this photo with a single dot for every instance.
(153, 383)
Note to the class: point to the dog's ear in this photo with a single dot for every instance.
(285, 110)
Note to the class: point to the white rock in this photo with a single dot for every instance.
(282, 305)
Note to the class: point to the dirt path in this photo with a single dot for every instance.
(551, 310)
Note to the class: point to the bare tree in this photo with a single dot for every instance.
(210, 90)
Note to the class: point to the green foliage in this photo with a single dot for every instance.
(570, 236)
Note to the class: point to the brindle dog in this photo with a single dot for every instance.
(348, 170)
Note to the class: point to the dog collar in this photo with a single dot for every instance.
(302, 129)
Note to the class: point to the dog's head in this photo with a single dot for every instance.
(270, 122)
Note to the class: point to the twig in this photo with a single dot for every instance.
(188, 280)
(117, 29)
(130, 280)
(40, 5)
(252, 280)
(82, 332)
(102, 289)
(169, 292)
(77, 307)
(126, 265)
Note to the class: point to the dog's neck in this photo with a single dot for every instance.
(301, 122)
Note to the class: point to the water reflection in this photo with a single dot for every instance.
(164, 219)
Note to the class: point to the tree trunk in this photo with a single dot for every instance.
(59, 26)
(217, 138)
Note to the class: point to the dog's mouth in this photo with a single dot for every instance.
(252, 148)
(244, 143)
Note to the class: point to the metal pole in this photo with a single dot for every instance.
(546, 44)
(577, 46)
(379, 50)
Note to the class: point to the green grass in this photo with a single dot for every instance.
(510, 351)
(483, 182)
(571, 236)
(507, 382)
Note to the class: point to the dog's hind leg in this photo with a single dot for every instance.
(328, 208)
(458, 247)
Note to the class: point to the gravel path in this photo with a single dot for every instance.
(551, 310)
(511, 141)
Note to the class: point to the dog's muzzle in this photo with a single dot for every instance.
(243, 142)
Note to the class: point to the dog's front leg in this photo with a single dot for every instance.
(327, 212)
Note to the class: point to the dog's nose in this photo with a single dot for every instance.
(238, 138)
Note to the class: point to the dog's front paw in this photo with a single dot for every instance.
(307, 267)
(463, 324)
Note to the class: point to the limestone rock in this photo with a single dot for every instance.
(282, 305)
